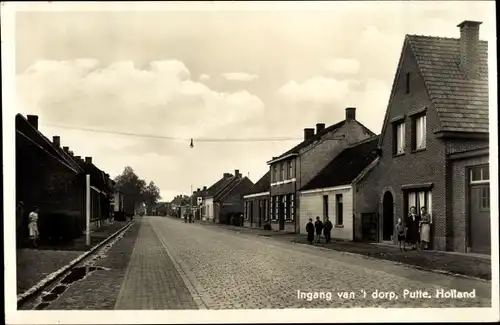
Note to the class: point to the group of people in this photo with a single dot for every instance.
(32, 224)
(416, 230)
(317, 228)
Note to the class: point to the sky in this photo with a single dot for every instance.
(214, 74)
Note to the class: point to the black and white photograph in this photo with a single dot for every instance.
(250, 161)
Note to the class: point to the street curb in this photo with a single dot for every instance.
(458, 275)
(51, 278)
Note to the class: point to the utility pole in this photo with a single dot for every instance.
(87, 210)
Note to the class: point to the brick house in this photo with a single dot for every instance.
(257, 203)
(330, 193)
(224, 199)
(46, 175)
(434, 144)
(51, 177)
(296, 167)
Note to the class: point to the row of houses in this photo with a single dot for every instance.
(51, 177)
(433, 151)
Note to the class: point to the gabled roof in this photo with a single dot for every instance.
(331, 129)
(262, 185)
(232, 183)
(461, 103)
(28, 131)
(237, 186)
(218, 186)
(346, 166)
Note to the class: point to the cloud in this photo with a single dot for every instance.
(240, 76)
(204, 77)
(321, 99)
(342, 66)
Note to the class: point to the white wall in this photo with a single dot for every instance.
(209, 208)
(311, 206)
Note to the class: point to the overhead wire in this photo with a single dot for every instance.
(163, 137)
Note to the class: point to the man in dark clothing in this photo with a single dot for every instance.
(327, 231)
(319, 228)
(310, 231)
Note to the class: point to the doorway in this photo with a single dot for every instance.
(479, 219)
(281, 214)
(388, 216)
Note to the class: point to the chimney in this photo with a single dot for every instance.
(204, 188)
(226, 175)
(66, 149)
(308, 133)
(198, 189)
(33, 120)
(320, 127)
(56, 140)
(88, 160)
(78, 157)
(71, 153)
(350, 113)
(469, 44)
(237, 173)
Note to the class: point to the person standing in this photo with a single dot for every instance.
(327, 231)
(310, 231)
(401, 232)
(425, 227)
(413, 223)
(319, 228)
(33, 226)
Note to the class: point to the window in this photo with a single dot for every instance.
(275, 173)
(484, 199)
(282, 172)
(419, 132)
(480, 174)
(276, 208)
(285, 210)
(266, 210)
(340, 209)
(399, 138)
(290, 170)
(325, 207)
(246, 210)
(407, 83)
(292, 206)
(419, 199)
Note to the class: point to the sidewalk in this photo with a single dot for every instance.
(33, 265)
(471, 265)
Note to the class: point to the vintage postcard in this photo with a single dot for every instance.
(236, 162)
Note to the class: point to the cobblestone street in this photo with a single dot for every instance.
(174, 265)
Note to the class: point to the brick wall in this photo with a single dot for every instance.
(458, 196)
(411, 168)
(460, 145)
(312, 207)
(252, 220)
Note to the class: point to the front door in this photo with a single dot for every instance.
(388, 216)
(479, 218)
(251, 213)
(281, 215)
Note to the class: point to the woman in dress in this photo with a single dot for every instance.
(413, 222)
(425, 227)
(33, 226)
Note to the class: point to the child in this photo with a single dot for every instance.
(401, 231)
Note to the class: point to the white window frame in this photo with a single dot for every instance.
(400, 138)
(274, 217)
(283, 175)
(420, 132)
(246, 209)
(292, 206)
(482, 179)
(283, 200)
(266, 210)
(290, 170)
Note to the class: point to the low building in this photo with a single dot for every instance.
(257, 203)
(330, 194)
(435, 144)
(209, 210)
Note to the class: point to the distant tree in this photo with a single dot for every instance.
(132, 187)
(151, 196)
